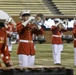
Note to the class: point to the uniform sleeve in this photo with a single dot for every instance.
(6, 58)
(5, 51)
(41, 31)
(19, 27)
(74, 31)
(64, 30)
(13, 28)
(53, 28)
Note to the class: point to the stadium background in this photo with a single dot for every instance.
(50, 9)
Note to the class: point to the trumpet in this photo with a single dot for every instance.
(61, 24)
(64, 24)
(40, 19)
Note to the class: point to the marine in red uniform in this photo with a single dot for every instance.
(57, 30)
(26, 28)
(10, 30)
(74, 34)
(4, 53)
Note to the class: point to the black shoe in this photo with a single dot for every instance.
(57, 64)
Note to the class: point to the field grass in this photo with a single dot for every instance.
(44, 56)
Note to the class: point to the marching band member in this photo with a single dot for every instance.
(74, 34)
(57, 40)
(26, 28)
(4, 53)
(9, 29)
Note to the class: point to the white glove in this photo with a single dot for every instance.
(57, 24)
(7, 57)
(65, 26)
(39, 27)
(31, 18)
(26, 22)
(1, 56)
(6, 26)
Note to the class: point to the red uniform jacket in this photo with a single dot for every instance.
(26, 34)
(56, 35)
(9, 29)
(74, 34)
(3, 47)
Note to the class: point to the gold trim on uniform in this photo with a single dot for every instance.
(1, 41)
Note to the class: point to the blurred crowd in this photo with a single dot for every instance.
(66, 22)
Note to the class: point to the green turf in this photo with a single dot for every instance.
(44, 56)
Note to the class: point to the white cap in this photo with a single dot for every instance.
(25, 12)
(57, 19)
(8, 20)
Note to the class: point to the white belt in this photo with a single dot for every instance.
(27, 41)
(57, 35)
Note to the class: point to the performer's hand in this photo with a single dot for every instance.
(39, 27)
(31, 18)
(28, 21)
(1, 56)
